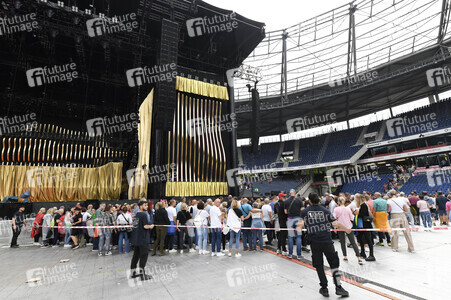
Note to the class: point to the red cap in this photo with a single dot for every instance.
(282, 195)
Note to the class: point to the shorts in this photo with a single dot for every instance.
(75, 232)
(441, 212)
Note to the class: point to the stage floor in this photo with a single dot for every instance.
(255, 275)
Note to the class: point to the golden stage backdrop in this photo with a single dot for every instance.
(195, 145)
(53, 183)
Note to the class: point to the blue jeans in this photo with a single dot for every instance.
(95, 243)
(216, 240)
(104, 238)
(202, 234)
(254, 239)
(67, 236)
(247, 234)
(426, 218)
(292, 223)
(123, 238)
(236, 236)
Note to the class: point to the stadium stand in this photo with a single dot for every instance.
(373, 185)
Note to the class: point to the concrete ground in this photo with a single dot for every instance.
(255, 275)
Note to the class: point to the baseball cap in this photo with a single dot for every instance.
(292, 191)
(282, 195)
(402, 193)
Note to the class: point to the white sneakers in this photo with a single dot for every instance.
(172, 251)
(229, 254)
(220, 254)
(238, 255)
(213, 254)
(191, 250)
(67, 246)
(204, 252)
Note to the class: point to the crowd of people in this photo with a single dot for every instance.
(224, 223)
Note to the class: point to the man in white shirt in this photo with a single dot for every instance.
(208, 207)
(216, 224)
(396, 206)
(267, 214)
(172, 215)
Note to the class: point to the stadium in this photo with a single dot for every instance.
(168, 127)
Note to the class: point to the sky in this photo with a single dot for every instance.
(284, 13)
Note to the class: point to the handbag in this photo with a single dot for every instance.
(125, 229)
(171, 229)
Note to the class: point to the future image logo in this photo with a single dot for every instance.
(101, 26)
(306, 122)
(355, 79)
(54, 74)
(409, 125)
(341, 176)
(438, 177)
(438, 76)
(210, 25)
(147, 75)
(251, 275)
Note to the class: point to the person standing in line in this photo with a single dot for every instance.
(413, 199)
(226, 233)
(193, 211)
(172, 215)
(364, 237)
(36, 231)
(234, 219)
(293, 207)
(425, 213)
(124, 219)
(18, 222)
(257, 222)
(105, 233)
(283, 233)
(46, 229)
(267, 216)
(98, 221)
(140, 241)
(161, 219)
(183, 218)
(344, 215)
(408, 213)
(201, 222)
(247, 233)
(318, 221)
(56, 221)
(441, 208)
(381, 218)
(77, 219)
(396, 207)
(216, 224)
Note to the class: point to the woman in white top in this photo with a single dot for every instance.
(234, 219)
(396, 207)
(257, 222)
(124, 239)
(201, 221)
(68, 230)
(425, 213)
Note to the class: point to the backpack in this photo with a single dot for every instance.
(198, 219)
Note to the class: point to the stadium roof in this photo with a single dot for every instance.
(397, 41)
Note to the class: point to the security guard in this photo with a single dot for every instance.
(319, 221)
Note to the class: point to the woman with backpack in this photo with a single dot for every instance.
(183, 218)
(124, 219)
(366, 222)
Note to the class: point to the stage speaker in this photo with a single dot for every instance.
(255, 123)
(166, 95)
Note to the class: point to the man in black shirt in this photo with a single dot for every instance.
(318, 221)
(76, 221)
(141, 240)
(18, 222)
(280, 211)
(293, 208)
